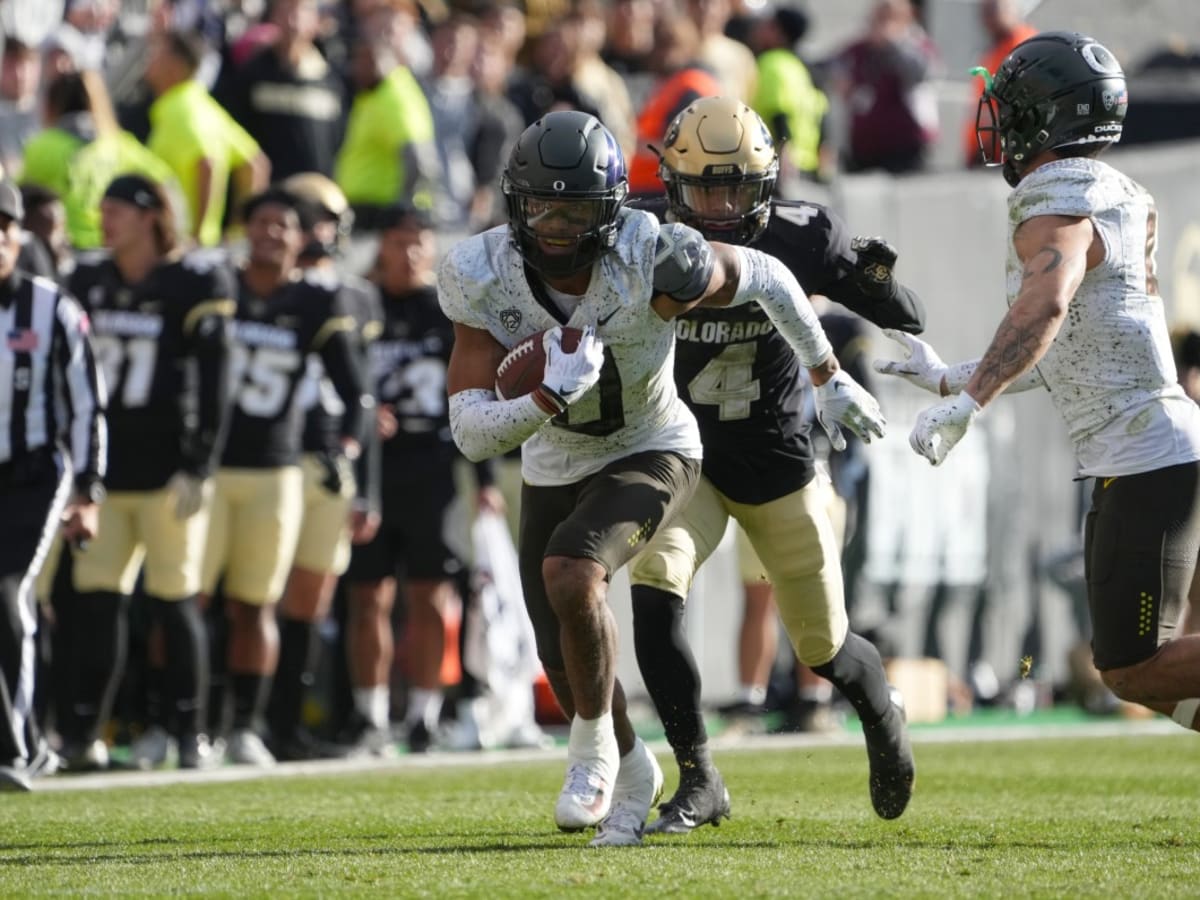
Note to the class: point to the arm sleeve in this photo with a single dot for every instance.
(82, 392)
(335, 343)
(768, 282)
(484, 427)
(208, 329)
(898, 308)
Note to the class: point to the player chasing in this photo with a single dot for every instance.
(1086, 322)
(609, 450)
(744, 383)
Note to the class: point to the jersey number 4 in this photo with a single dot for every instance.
(727, 382)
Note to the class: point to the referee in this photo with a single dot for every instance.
(51, 400)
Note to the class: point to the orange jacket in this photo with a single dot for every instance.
(991, 61)
(668, 98)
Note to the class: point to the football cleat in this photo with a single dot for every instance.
(246, 748)
(197, 752)
(13, 779)
(638, 786)
(150, 749)
(586, 795)
(701, 799)
(889, 752)
(89, 757)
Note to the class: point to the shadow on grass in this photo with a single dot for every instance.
(43, 852)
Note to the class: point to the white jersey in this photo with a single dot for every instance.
(634, 408)
(1110, 370)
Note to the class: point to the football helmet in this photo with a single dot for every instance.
(719, 165)
(323, 200)
(1056, 89)
(564, 184)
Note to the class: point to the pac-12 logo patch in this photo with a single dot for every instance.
(511, 319)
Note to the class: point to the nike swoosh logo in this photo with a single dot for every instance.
(1107, 482)
(604, 321)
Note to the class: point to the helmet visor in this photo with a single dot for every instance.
(561, 218)
(719, 204)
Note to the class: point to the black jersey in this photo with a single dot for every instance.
(273, 337)
(163, 345)
(408, 369)
(740, 377)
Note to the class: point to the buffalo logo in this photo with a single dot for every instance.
(511, 319)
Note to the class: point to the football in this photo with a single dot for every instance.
(524, 367)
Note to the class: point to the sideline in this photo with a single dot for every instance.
(449, 760)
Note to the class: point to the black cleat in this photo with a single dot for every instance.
(701, 799)
(889, 753)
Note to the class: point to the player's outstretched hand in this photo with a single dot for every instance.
(875, 259)
(942, 426)
(571, 375)
(921, 364)
(843, 401)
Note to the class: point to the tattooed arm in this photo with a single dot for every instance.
(1056, 252)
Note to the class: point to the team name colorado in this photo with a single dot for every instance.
(720, 332)
(261, 334)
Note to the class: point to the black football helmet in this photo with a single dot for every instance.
(719, 165)
(565, 184)
(1056, 89)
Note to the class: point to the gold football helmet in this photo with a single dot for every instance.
(720, 165)
(324, 198)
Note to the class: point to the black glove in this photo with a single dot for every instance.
(872, 272)
(339, 471)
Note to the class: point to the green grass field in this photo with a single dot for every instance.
(1102, 817)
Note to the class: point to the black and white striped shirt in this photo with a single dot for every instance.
(50, 389)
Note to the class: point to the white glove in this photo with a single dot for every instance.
(570, 375)
(843, 401)
(189, 492)
(942, 426)
(921, 364)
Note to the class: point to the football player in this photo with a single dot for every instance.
(339, 505)
(161, 322)
(1086, 322)
(742, 380)
(609, 452)
(408, 370)
(281, 318)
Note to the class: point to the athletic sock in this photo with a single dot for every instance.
(670, 673)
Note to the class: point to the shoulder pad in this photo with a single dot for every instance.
(683, 262)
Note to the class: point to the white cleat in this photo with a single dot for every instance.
(586, 794)
(639, 785)
(245, 748)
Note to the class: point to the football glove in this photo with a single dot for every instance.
(568, 376)
(942, 426)
(921, 366)
(189, 492)
(872, 272)
(337, 469)
(843, 401)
